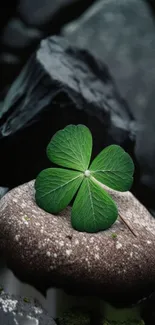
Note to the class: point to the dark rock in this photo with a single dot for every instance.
(152, 5)
(7, 10)
(60, 85)
(23, 23)
(9, 65)
(44, 250)
(122, 34)
(149, 311)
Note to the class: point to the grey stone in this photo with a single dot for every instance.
(16, 310)
(44, 248)
(122, 34)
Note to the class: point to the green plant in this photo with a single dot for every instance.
(93, 209)
(75, 316)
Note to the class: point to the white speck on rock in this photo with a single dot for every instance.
(33, 211)
(118, 245)
(23, 205)
(68, 252)
(17, 237)
(131, 254)
(33, 320)
(37, 224)
(135, 245)
(76, 242)
(26, 222)
(61, 243)
(48, 253)
(55, 255)
(14, 200)
(149, 242)
(97, 256)
(51, 267)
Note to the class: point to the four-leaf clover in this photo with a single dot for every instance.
(93, 209)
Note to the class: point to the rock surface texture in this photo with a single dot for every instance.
(122, 34)
(45, 250)
(15, 310)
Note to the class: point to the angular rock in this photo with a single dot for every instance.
(44, 249)
(60, 85)
(122, 34)
(17, 310)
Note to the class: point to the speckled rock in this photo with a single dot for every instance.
(45, 250)
(17, 310)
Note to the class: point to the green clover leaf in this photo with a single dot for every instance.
(56, 188)
(93, 209)
(114, 168)
(71, 147)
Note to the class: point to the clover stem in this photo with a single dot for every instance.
(127, 224)
(122, 218)
(121, 316)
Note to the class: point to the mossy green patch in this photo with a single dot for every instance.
(25, 299)
(75, 317)
(141, 322)
(26, 218)
(114, 235)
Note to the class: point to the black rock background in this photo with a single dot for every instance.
(72, 86)
(23, 23)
